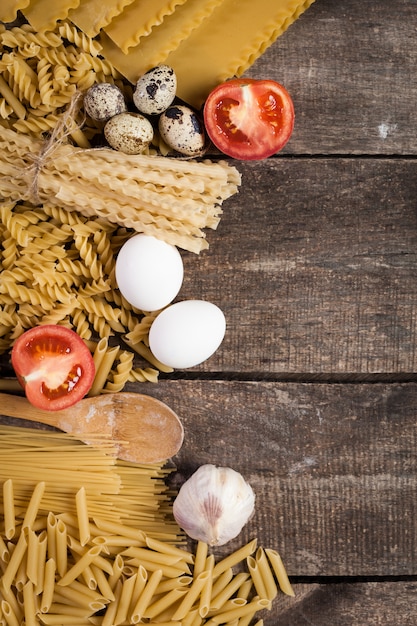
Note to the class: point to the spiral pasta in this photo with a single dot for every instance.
(57, 267)
(40, 72)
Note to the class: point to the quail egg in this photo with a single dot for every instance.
(181, 130)
(130, 133)
(155, 90)
(104, 100)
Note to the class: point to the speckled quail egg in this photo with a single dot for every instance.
(181, 130)
(130, 133)
(155, 90)
(104, 100)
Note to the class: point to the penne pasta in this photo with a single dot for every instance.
(88, 557)
(125, 599)
(102, 583)
(266, 574)
(164, 603)
(170, 571)
(33, 506)
(200, 557)
(280, 572)
(206, 592)
(51, 522)
(9, 509)
(42, 550)
(145, 597)
(33, 553)
(48, 586)
(82, 516)
(236, 557)
(14, 562)
(218, 601)
(146, 555)
(61, 547)
(221, 581)
(165, 548)
(122, 575)
(9, 615)
(256, 577)
(29, 604)
(4, 551)
(250, 608)
(192, 594)
(109, 617)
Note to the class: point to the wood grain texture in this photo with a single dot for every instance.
(347, 604)
(314, 265)
(350, 67)
(333, 466)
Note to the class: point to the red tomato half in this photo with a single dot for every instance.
(249, 119)
(53, 365)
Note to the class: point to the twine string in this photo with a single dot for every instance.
(64, 128)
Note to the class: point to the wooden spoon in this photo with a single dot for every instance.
(144, 429)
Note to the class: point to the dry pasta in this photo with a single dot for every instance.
(126, 572)
(57, 266)
(48, 277)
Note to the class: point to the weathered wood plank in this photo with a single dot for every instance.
(334, 467)
(350, 68)
(314, 264)
(344, 604)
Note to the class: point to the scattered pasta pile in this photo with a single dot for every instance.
(58, 268)
(66, 208)
(168, 198)
(40, 73)
(50, 467)
(65, 559)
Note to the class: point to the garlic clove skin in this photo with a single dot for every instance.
(214, 504)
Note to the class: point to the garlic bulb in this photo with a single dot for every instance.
(214, 504)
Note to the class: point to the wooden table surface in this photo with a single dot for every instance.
(312, 395)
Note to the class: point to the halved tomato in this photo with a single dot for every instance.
(53, 365)
(249, 119)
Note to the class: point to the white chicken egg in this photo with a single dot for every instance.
(155, 90)
(149, 272)
(187, 333)
(130, 133)
(181, 130)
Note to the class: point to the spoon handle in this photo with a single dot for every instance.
(18, 406)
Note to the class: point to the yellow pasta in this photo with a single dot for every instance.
(15, 560)
(8, 509)
(115, 571)
(191, 596)
(125, 599)
(82, 516)
(219, 600)
(33, 506)
(200, 557)
(234, 558)
(32, 556)
(145, 597)
(256, 577)
(9, 615)
(29, 604)
(280, 571)
(266, 574)
(94, 15)
(206, 592)
(61, 546)
(164, 603)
